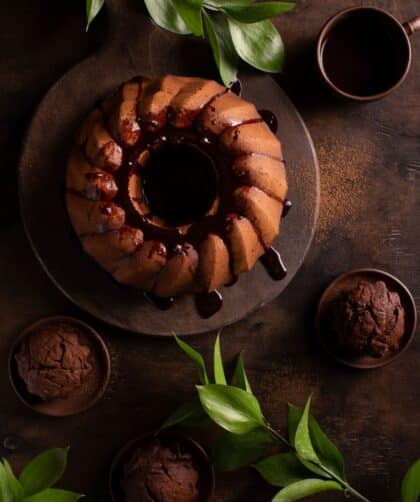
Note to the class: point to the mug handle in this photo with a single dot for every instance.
(412, 25)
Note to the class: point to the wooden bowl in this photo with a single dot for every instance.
(82, 398)
(207, 484)
(348, 281)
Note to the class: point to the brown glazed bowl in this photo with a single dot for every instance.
(401, 43)
(91, 390)
(348, 281)
(207, 485)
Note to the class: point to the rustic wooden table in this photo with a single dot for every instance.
(370, 162)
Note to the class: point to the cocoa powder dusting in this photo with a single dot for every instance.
(343, 184)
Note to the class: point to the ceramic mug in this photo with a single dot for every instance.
(364, 53)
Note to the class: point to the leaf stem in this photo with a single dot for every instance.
(330, 473)
(277, 435)
(344, 483)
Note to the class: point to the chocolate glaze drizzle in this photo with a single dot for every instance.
(236, 87)
(208, 304)
(286, 208)
(159, 302)
(273, 264)
(270, 119)
(163, 140)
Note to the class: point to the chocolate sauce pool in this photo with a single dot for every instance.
(179, 183)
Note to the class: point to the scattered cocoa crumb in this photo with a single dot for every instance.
(343, 183)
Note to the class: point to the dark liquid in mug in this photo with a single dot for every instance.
(365, 53)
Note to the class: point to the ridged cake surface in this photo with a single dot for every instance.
(175, 185)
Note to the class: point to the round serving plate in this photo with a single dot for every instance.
(138, 47)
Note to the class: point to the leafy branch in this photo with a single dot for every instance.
(312, 464)
(36, 479)
(235, 29)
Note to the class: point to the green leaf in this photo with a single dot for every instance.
(282, 469)
(304, 488)
(165, 15)
(258, 44)
(93, 7)
(303, 443)
(294, 415)
(14, 485)
(233, 451)
(189, 414)
(219, 372)
(221, 44)
(217, 4)
(326, 450)
(240, 378)
(258, 12)
(231, 408)
(190, 11)
(5, 492)
(410, 489)
(44, 470)
(196, 358)
(54, 495)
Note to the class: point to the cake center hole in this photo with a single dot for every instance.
(179, 183)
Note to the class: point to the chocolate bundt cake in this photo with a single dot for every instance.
(175, 185)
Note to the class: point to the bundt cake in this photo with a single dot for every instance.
(175, 185)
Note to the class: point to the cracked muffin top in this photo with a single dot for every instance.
(52, 362)
(368, 318)
(162, 472)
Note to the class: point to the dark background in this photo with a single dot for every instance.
(369, 161)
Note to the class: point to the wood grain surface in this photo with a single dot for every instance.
(370, 161)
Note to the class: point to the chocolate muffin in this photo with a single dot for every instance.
(52, 362)
(162, 471)
(368, 318)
